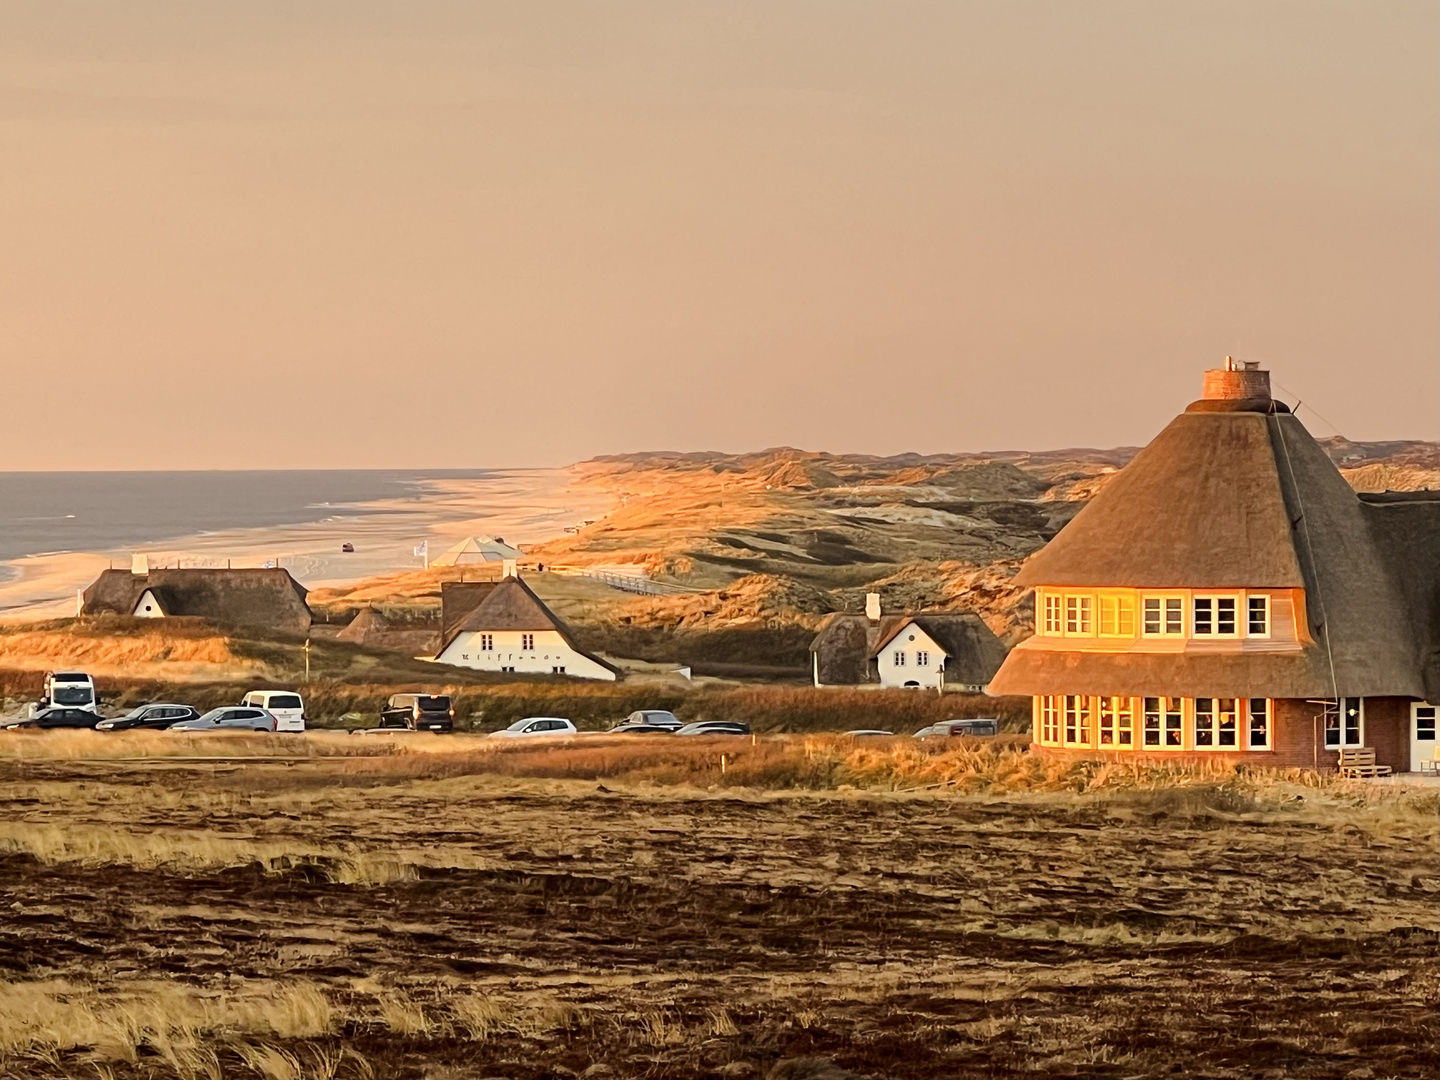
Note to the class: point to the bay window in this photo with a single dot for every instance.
(1053, 622)
(1164, 616)
(1258, 612)
(1117, 616)
(1078, 615)
(1215, 616)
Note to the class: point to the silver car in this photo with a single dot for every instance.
(229, 718)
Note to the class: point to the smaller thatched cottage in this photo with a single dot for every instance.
(503, 626)
(253, 597)
(905, 651)
(375, 630)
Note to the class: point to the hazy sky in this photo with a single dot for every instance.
(465, 234)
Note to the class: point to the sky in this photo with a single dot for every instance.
(425, 234)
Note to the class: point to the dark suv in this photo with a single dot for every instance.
(419, 712)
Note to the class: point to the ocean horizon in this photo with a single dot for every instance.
(44, 513)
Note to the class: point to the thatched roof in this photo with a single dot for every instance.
(1235, 495)
(458, 599)
(509, 604)
(255, 597)
(372, 629)
(846, 645)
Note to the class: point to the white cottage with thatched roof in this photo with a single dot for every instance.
(507, 628)
(1229, 593)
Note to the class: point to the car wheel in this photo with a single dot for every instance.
(263, 730)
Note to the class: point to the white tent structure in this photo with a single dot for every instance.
(477, 549)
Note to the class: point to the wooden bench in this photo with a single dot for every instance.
(1359, 761)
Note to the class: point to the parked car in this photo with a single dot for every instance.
(152, 717)
(419, 712)
(230, 718)
(946, 728)
(660, 718)
(57, 717)
(868, 733)
(535, 725)
(715, 727)
(638, 729)
(285, 706)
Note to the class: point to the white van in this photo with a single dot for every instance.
(284, 705)
(67, 690)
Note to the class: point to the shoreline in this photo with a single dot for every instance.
(525, 506)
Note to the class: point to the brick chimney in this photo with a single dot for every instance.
(1236, 382)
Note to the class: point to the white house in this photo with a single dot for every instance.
(511, 630)
(954, 650)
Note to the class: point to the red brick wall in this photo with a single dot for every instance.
(1298, 738)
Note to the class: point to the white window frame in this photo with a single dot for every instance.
(1084, 712)
(1079, 612)
(1269, 707)
(1340, 709)
(1214, 600)
(922, 658)
(1053, 611)
(1050, 710)
(1163, 713)
(1165, 600)
(1122, 605)
(1209, 738)
(1264, 600)
(1122, 735)
(897, 658)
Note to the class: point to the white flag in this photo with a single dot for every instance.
(422, 548)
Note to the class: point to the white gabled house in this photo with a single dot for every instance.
(511, 630)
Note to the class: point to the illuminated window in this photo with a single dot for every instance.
(1344, 723)
(1049, 719)
(1259, 724)
(1078, 615)
(1117, 721)
(1258, 623)
(1053, 623)
(1117, 616)
(1077, 720)
(1164, 616)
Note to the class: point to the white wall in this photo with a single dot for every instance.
(911, 641)
(550, 652)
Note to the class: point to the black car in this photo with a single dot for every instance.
(419, 712)
(58, 717)
(152, 717)
(627, 728)
(659, 718)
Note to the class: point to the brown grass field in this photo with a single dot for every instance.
(796, 906)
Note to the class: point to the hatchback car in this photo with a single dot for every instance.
(57, 717)
(152, 717)
(715, 727)
(535, 725)
(229, 718)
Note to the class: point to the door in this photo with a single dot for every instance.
(1422, 734)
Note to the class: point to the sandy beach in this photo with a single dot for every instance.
(525, 506)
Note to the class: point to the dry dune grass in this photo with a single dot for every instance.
(136, 653)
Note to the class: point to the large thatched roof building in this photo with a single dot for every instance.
(1229, 592)
(253, 597)
(910, 651)
(503, 626)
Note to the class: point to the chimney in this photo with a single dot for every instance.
(139, 565)
(872, 606)
(507, 569)
(1236, 382)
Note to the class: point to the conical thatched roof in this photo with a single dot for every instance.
(1239, 495)
(477, 549)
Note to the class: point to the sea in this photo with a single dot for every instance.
(50, 512)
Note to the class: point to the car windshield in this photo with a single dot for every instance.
(284, 701)
(71, 695)
(433, 702)
(216, 714)
(655, 716)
